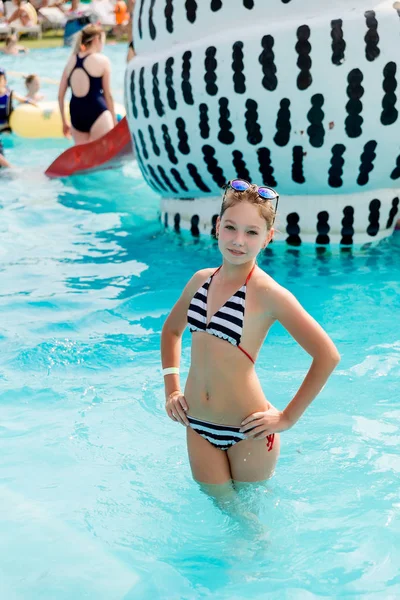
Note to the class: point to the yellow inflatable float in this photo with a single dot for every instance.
(43, 120)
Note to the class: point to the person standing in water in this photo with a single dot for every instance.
(88, 73)
(232, 429)
(6, 106)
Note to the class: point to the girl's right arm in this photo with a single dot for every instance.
(106, 81)
(171, 337)
(61, 95)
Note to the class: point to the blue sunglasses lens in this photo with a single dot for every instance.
(266, 193)
(239, 185)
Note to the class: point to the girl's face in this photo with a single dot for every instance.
(242, 233)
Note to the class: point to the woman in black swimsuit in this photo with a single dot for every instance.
(88, 74)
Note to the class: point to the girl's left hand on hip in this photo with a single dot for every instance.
(262, 424)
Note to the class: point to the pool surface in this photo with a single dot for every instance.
(96, 495)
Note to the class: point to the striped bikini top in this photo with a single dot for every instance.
(227, 322)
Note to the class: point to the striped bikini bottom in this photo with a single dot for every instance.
(222, 437)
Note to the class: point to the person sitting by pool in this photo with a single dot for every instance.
(25, 12)
(88, 74)
(12, 47)
(32, 83)
(232, 429)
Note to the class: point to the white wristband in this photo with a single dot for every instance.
(170, 371)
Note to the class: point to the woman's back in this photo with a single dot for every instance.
(85, 73)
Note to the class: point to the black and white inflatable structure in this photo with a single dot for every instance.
(300, 95)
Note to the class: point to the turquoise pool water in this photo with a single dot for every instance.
(96, 496)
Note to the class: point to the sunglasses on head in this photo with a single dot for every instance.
(241, 185)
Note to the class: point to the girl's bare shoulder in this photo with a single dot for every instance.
(196, 281)
(269, 291)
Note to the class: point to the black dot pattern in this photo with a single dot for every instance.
(168, 145)
(204, 125)
(176, 175)
(293, 229)
(393, 212)
(194, 225)
(240, 165)
(239, 79)
(213, 231)
(133, 95)
(266, 60)
(354, 106)
(225, 135)
(193, 172)
(169, 83)
(191, 10)
(338, 43)
(212, 165)
(323, 228)
(367, 160)
(186, 85)
(216, 5)
(347, 231)
(395, 174)
(265, 166)
(142, 92)
(140, 160)
(371, 37)
(283, 125)
(297, 165)
(249, 4)
(177, 222)
(158, 105)
(373, 217)
(143, 144)
(183, 145)
(389, 113)
(152, 29)
(303, 49)
(336, 169)
(156, 149)
(316, 131)
(168, 12)
(210, 76)
(156, 182)
(140, 18)
(254, 135)
(167, 180)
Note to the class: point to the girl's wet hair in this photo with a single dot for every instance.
(265, 207)
(86, 36)
(31, 78)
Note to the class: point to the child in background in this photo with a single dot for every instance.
(6, 98)
(32, 83)
(12, 47)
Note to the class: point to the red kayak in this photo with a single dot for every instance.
(101, 154)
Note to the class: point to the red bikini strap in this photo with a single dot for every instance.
(250, 274)
(247, 354)
(216, 271)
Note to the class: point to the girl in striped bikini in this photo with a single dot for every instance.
(232, 429)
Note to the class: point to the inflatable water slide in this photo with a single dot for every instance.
(300, 95)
